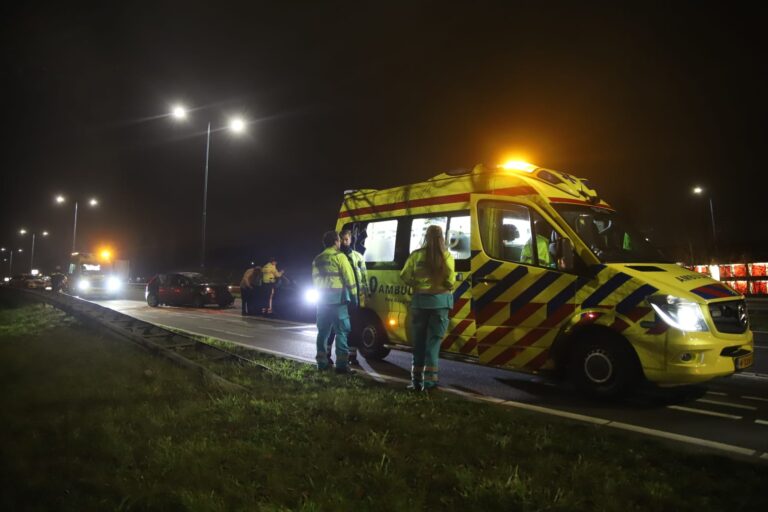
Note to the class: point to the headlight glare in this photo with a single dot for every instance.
(311, 296)
(679, 313)
(113, 284)
(83, 285)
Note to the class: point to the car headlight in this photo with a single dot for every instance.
(311, 296)
(113, 284)
(679, 313)
(83, 285)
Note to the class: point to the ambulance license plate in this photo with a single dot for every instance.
(744, 361)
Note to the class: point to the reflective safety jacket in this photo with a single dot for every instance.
(333, 277)
(357, 261)
(416, 275)
(542, 249)
(269, 273)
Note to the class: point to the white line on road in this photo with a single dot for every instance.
(565, 414)
(727, 404)
(705, 412)
(717, 393)
(761, 422)
(755, 398)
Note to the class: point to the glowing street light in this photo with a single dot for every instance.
(699, 191)
(22, 232)
(10, 257)
(92, 202)
(237, 125)
(179, 112)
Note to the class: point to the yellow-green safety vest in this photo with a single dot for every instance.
(333, 277)
(416, 275)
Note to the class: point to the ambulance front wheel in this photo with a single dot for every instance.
(372, 337)
(604, 366)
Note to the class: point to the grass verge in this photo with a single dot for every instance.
(94, 423)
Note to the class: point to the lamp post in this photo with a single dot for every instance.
(10, 257)
(699, 191)
(237, 126)
(92, 202)
(23, 232)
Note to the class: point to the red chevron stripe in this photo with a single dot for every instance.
(453, 336)
(559, 315)
(638, 313)
(457, 306)
(523, 313)
(659, 328)
(530, 338)
(619, 325)
(493, 337)
(488, 311)
(538, 361)
(469, 346)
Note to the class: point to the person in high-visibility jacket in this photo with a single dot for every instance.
(357, 261)
(334, 280)
(430, 272)
(269, 277)
(542, 250)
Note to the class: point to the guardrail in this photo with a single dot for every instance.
(182, 350)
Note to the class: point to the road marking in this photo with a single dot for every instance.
(684, 439)
(727, 404)
(755, 398)
(563, 414)
(705, 412)
(761, 422)
(716, 393)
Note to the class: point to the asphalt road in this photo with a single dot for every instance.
(728, 414)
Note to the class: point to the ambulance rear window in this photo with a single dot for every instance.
(380, 241)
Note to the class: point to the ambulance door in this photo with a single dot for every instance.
(518, 295)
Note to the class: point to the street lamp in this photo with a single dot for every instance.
(237, 126)
(699, 191)
(10, 253)
(23, 232)
(92, 202)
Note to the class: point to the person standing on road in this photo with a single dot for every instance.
(269, 277)
(361, 291)
(430, 272)
(246, 292)
(334, 280)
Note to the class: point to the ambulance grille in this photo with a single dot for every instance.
(730, 317)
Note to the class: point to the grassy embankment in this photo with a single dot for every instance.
(93, 423)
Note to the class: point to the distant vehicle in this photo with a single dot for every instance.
(186, 289)
(92, 275)
(30, 282)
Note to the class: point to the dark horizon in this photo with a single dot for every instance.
(644, 101)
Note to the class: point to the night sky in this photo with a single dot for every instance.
(645, 101)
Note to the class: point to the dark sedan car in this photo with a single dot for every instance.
(186, 289)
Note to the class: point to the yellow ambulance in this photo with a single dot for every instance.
(549, 278)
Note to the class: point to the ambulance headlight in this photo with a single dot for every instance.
(311, 296)
(83, 285)
(113, 284)
(679, 313)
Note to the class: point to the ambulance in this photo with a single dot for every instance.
(550, 278)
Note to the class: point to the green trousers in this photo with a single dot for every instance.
(336, 317)
(428, 328)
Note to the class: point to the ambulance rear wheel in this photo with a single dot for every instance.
(152, 300)
(603, 366)
(371, 337)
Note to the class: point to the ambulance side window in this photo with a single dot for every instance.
(380, 238)
(505, 231)
(458, 241)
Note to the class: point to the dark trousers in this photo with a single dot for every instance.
(245, 298)
(255, 301)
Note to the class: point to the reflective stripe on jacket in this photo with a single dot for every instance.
(416, 275)
(333, 277)
(361, 274)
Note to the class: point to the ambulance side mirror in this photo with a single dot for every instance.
(564, 255)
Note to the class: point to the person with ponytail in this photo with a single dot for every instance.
(430, 272)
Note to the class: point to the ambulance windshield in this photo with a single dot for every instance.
(608, 235)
